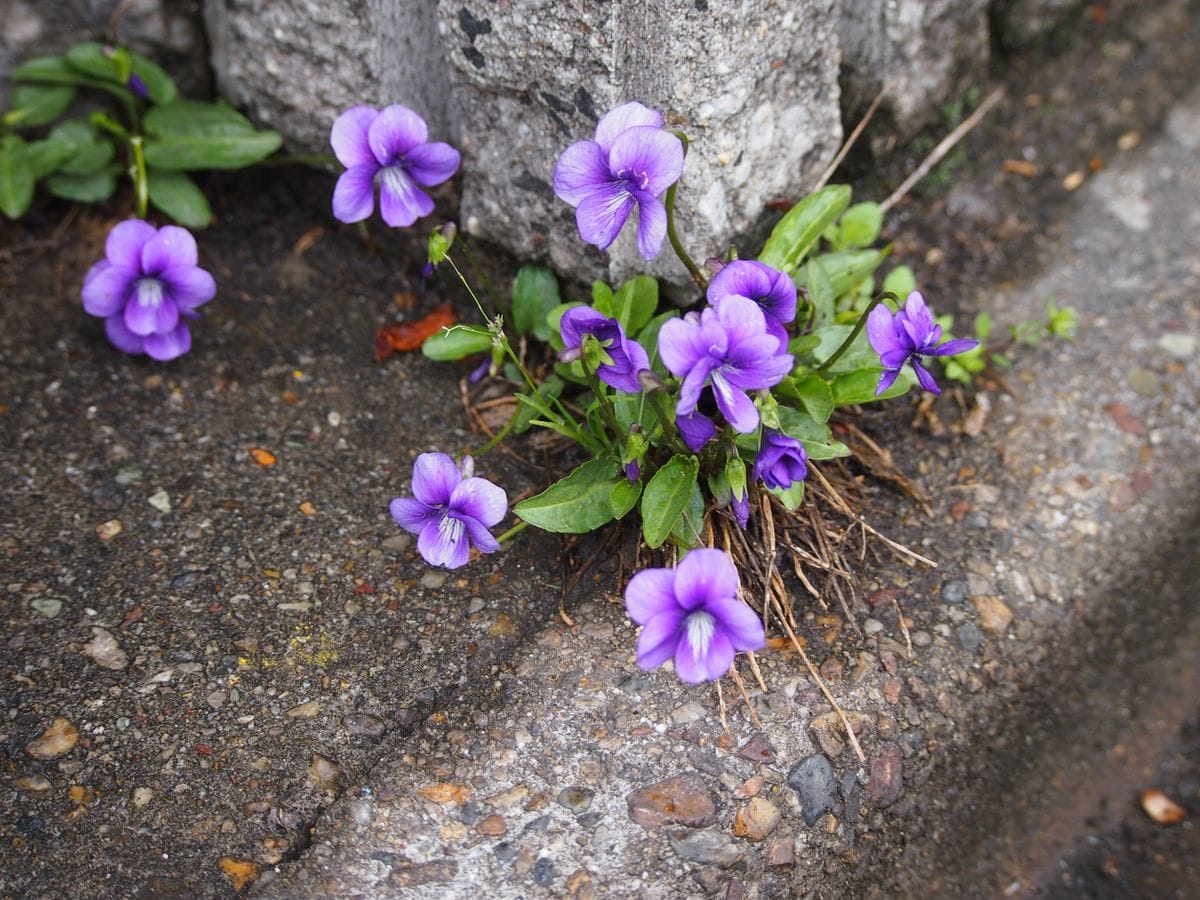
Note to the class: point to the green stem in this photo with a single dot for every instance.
(141, 186)
(677, 245)
(513, 532)
(673, 234)
(606, 408)
(858, 327)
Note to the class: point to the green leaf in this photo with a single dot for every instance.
(791, 496)
(158, 83)
(92, 59)
(860, 224)
(858, 386)
(800, 227)
(624, 497)
(802, 426)
(635, 303)
(16, 176)
(38, 104)
(93, 187)
(49, 70)
(534, 295)
(187, 135)
(456, 342)
(666, 497)
(689, 528)
(175, 194)
(46, 155)
(578, 503)
(820, 293)
(89, 158)
(846, 268)
(221, 151)
(811, 392)
(602, 298)
(900, 281)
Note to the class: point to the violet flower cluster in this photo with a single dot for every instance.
(146, 287)
(390, 147)
(451, 510)
(630, 164)
(726, 347)
(906, 337)
(691, 614)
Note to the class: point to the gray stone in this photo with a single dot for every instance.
(294, 65)
(954, 591)
(813, 779)
(710, 847)
(753, 85)
(927, 51)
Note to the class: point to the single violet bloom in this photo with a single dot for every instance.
(389, 146)
(906, 337)
(729, 347)
(146, 286)
(632, 162)
(696, 429)
(451, 511)
(138, 86)
(781, 461)
(772, 290)
(633, 471)
(627, 357)
(692, 613)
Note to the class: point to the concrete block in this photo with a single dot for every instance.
(928, 51)
(294, 65)
(754, 85)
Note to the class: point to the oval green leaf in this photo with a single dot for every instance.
(38, 104)
(16, 177)
(175, 194)
(457, 342)
(93, 187)
(800, 227)
(666, 497)
(579, 503)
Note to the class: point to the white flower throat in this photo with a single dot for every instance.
(700, 628)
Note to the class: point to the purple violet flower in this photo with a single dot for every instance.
(628, 357)
(138, 86)
(452, 510)
(781, 460)
(392, 147)
(631, 163)
(771, 289)
(729, 347)
(696, 429)
(144, 288)
(692, 613)
(905, 338)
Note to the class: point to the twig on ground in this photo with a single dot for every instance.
(945, 146)
(854, 136)
(741, 686)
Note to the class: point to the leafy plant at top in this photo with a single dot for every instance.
(145, 131)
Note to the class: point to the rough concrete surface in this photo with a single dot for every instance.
(754, 86)
(296, 64)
